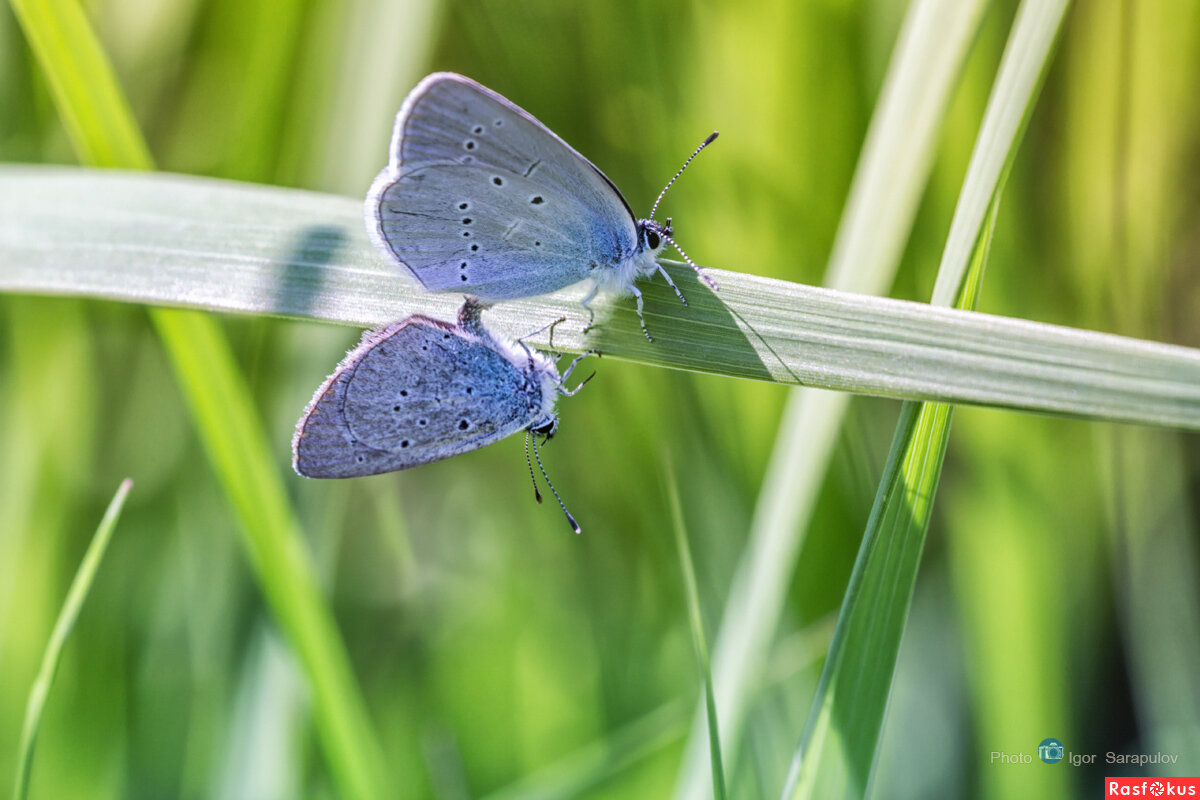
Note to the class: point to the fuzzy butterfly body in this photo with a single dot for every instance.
(478, 196)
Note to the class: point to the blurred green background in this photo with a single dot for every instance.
(1059, 593)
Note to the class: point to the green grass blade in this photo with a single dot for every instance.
(696, 620)
(221, 404)
(838, 749)
(76, 595)
(1155, 553)
(891, 175)
(94, 110)
(89, 99)
(1022, 70)
(894, 168)
(183, 241)
(1154, 526)
(888, 181)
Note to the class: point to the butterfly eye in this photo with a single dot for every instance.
(652, 240)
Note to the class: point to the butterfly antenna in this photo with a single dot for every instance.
(711, 283)
(536, 494)
(571, 520)
(712, 137)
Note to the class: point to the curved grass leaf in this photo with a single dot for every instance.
(80, 586)
(180, 241)
(102, 127)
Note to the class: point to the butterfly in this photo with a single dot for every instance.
(479, 196)
(421, 390)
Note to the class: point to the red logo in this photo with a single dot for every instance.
(1152, 787)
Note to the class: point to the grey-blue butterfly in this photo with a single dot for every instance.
(478, 196)
(420, 390)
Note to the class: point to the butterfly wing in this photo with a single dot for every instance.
(479, 196)
(416, 391)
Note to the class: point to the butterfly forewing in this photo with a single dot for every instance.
(479, 189)
(415, 392)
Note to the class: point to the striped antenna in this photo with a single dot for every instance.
(712, 137)
(711, 283)
(571, 520)
(536, 494)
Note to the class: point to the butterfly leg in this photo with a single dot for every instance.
(637, 294)
(570, 368)
(678, 293)
(585, 302)
(549, 327)
(552, 327)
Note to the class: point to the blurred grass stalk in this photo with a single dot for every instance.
(1153, 537)
(893, 170)
(631, 746)
(72, 605)
(837, 753)
(696, 620)
(838, 750)
(104, 132)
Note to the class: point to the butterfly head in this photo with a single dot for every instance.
(654, 236)
(545, 426)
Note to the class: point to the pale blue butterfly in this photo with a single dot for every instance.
(478, 196)
(421, 390)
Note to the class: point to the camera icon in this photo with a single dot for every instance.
(1051, 751)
